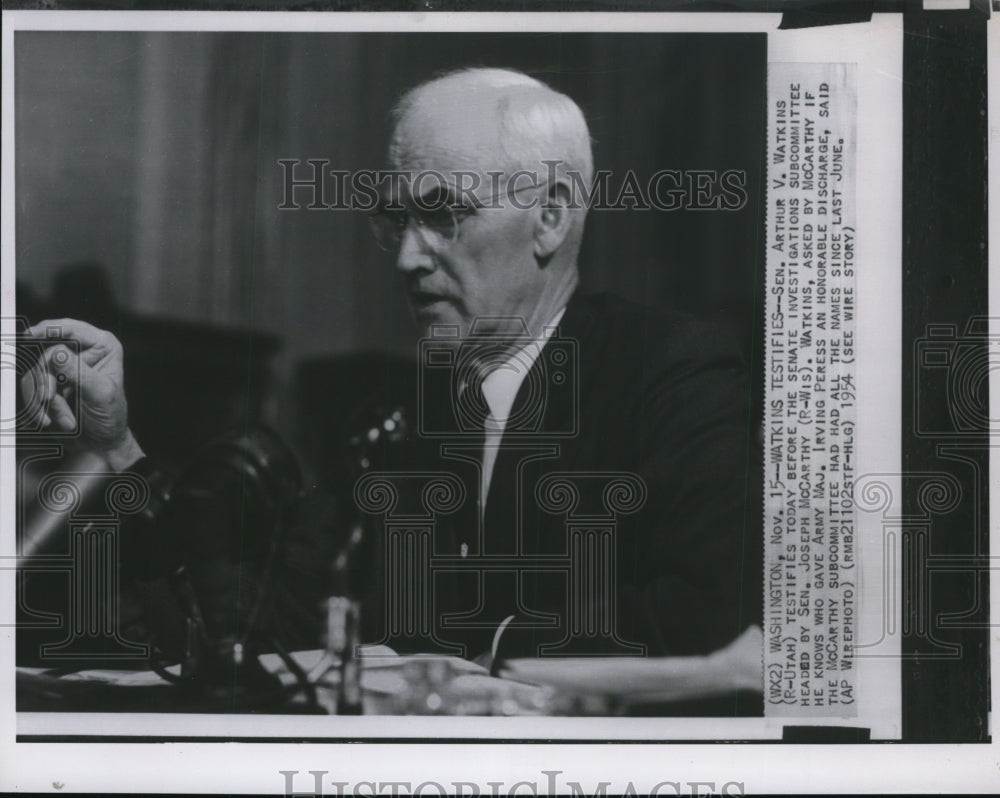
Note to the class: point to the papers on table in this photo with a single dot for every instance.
(738, 666)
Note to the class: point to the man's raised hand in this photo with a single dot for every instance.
(80, 390)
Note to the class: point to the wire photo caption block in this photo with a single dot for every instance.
(811, 392)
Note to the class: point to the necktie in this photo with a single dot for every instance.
(475, 410)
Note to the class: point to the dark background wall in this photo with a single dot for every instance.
(148, 187)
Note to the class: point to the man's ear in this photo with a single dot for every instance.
(554, 219)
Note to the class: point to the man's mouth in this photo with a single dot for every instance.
(424, 299)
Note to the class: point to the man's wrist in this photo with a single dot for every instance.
(125, 454)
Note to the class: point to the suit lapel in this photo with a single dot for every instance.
(546, 411)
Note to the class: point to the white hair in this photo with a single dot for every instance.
(536, 123)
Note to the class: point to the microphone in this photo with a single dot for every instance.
(355, 562)
(215, 544)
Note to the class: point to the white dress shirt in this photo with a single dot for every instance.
(500, 388)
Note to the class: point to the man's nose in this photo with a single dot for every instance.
(414, 254)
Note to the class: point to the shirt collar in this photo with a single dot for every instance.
(501, 385)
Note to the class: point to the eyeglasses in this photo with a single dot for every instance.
(437, 223)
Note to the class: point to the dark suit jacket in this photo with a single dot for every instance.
(623, 516)
(624, 401)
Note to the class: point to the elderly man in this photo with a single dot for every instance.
(613, 498)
